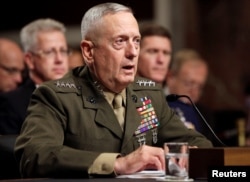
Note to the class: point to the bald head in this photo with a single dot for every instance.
(11, 65)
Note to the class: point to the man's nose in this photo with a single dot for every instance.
(132, 49)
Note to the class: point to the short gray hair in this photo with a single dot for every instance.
(92, 17)
(29, 32)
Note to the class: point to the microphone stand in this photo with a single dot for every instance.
(174, 97)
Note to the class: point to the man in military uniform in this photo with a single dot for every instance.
(72, 128)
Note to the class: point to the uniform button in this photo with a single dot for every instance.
(91, 100)
(134, 98)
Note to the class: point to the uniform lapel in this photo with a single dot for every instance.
(93, 99)
(105, 116)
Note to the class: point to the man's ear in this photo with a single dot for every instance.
(29, 60)
(87, 50)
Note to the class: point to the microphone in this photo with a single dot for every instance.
(174, 97)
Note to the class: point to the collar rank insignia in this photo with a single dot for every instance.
(98, 87)
(149, 121)
(64, 84)
(146, 83)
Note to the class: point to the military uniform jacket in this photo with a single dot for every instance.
(70, 124)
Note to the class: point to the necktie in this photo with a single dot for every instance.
(119, 109)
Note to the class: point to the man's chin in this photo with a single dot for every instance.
(126, 82)
(128, 78)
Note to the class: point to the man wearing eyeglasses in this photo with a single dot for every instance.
(187, 75)
(46, 56)
(11, 65)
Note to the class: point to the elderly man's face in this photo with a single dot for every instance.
(115, 54)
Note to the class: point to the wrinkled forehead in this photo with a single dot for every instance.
(192, 64)
(120, 22)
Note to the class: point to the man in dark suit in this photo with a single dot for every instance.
(46, 56)
(73, 127)
(13, 108)
(11, 65)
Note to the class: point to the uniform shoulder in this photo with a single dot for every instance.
(66, 84)
(142, 83)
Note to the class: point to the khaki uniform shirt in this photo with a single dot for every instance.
(71, 130)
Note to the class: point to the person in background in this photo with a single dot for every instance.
(155, 52)
(90, 123)
(11, 65)
(153, 63)
(187, 75)
(46, 56)
(75, 58)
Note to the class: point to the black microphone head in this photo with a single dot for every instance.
(172, 97)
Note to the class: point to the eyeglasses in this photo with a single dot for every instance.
(192, 84)
(11, 71)
(52, 53)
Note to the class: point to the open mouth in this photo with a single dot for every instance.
(128, 67)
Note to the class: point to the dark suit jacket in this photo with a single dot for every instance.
(13, 106)
(70, 124)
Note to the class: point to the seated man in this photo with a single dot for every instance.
(75, 126)
(187, 75)
(155, 52)
(46, 55)
(11, 65)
